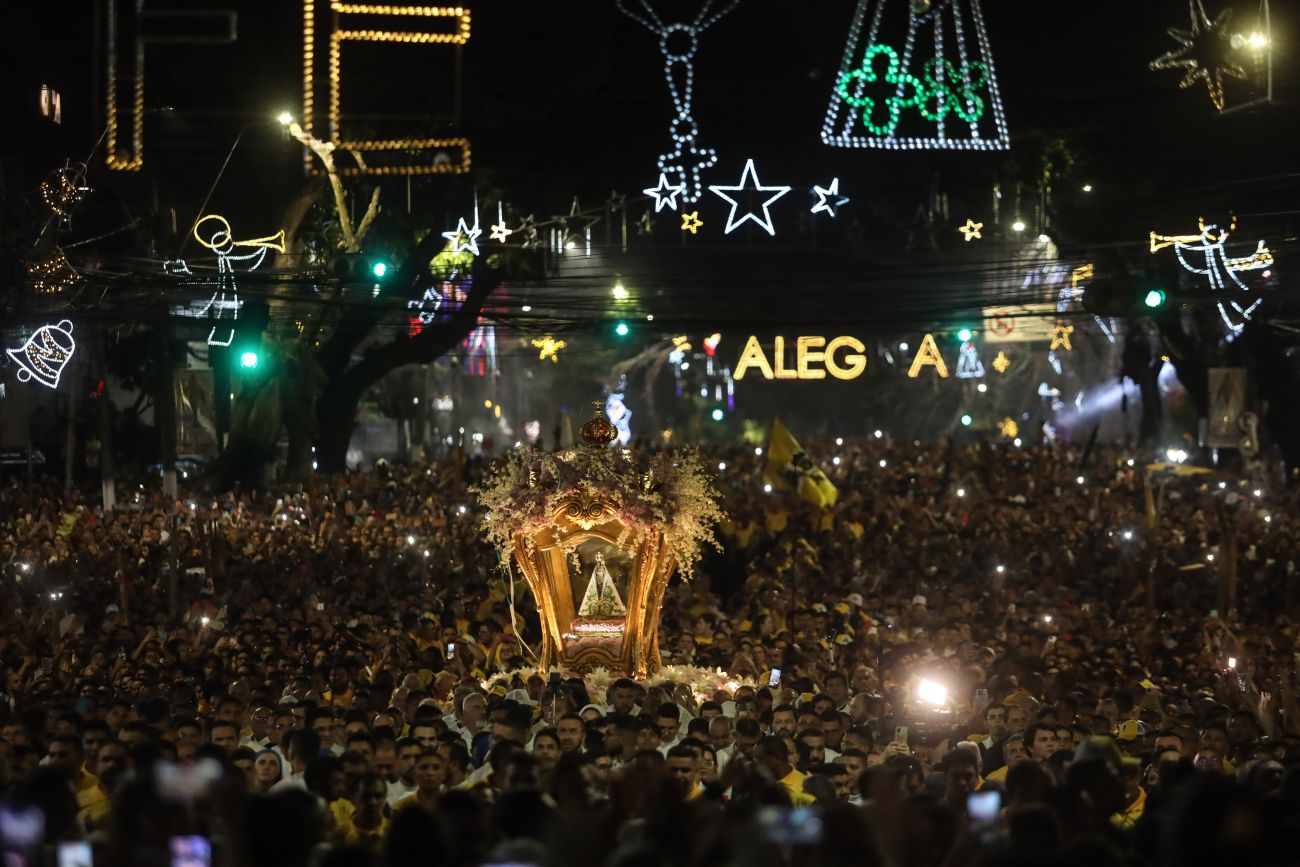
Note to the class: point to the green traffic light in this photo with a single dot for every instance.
(965, 335)
(379, 269)
(966, 420)
(1154, 298)
(248, 359)
(621, 329)
(717, 414)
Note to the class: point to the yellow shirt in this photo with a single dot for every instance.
(411, 800)
(1129, 816)
(93, 807)
(352, 835)
(1000, 775)
(793, 783)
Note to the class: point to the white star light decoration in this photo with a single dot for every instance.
(829, 198)
(1204, 52)
(499, 231)
(665, 194)
(464, 237)
(748, 175)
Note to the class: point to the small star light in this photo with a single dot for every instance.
(1204, 52)
(549, 348)
(665, 194)
(1001, 363)
(829, 198)
(464, 237)
(691, 222)
(1061, 337)
(971, 231)
(1008, 428)
(745, 177)
(499, 230)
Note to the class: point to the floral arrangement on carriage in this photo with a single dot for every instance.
(598, 533)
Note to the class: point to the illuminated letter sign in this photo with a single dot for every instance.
(362, 22)
(928, 354)
(809, 355)
(129, 27)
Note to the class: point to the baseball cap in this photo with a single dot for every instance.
(1130, 730)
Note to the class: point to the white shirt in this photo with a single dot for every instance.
(293, 781)
(399, 790)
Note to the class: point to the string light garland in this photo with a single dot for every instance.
(829, 198)
(748, 175)
(62, 191)
(691, 222)
(54, 275)
(548, 347)
(1001, 362)
(419, 23)
(213, 231)
(1209, 243)
(1061, 337)
(882, 89)
(1204, 51)
(969, 365)
(664, 193)
(971, 231)
(45, 354)
(678, 43)
(927, 355)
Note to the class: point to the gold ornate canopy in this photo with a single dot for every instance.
(598, 533)
(583, 529)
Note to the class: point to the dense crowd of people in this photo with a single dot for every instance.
(979, 654)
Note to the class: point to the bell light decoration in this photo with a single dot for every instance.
(45, 354)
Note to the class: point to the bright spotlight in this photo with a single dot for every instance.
(929, 692)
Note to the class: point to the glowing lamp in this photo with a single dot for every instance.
(929, 692)
(379, 269)
(966, 420)
(1154, 298)
(621, 329)
(284, 118)
(717, 414)
(964, 335)
(248, 360)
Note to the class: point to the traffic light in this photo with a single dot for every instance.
(965, 334)
(246, 348)
(718, 414)
(966, 420)
(1124, 296)
(362, 268)
(622, 329)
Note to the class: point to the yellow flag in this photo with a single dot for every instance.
(788, 468)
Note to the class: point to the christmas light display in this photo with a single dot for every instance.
(809, 352)
(499, 231)
(1204, 51)
(927, 355)
(44, 355)
(213, 231)
(971, 231)
(691, 222)
(528, 228)
(883, 91)
(425, 309)
(1061, 337)
(665, 194)
(425, 25)
(1209, 244)
(464, 237)
(54, 275)
(746, 177)
(829, 198)
(549, 347)
(969, 365)
(678, 43)
(1008, 428)
(1002, 362)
